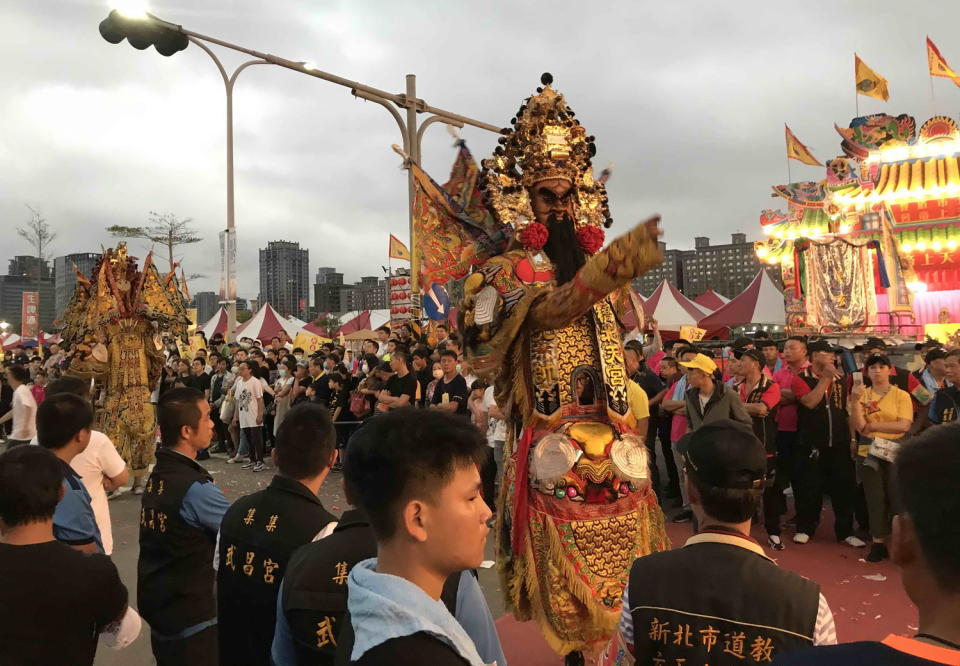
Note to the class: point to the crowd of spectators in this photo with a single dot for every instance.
(276, 578)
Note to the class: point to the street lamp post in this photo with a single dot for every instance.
(164, 37)
(229, 280)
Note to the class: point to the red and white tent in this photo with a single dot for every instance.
(672, 309)
(265, 324)
(216, 324)
(352, 324)
(760, 303)
(629, 318)
(711, 300)
(363, 321)
(11, 341)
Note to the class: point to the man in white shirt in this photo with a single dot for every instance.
(23, 411)
(99, 465)
(383, 336)
(248, 392)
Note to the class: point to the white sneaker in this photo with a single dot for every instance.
(775, 542)
(237, 459)
(801, 537)
(855, 542)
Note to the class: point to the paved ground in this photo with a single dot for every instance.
(866, 598)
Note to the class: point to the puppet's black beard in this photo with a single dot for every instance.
(563, 248)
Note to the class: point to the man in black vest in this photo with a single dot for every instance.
(824, 459)
(719, 599)
(181, 513)
(761, 398)
(260, 531)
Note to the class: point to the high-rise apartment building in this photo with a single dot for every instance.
(728, 269)
(11, 300)
(27, 266)
(670, 270)
(207, 303)
(368, 294)
(327, 291)
(285, 277)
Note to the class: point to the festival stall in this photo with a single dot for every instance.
(11, 341)
(759, 306)
(671, 309)
(216, 324)
(861, 249)
(265, 324)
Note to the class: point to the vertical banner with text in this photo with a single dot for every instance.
(30, 315)
(228, 270)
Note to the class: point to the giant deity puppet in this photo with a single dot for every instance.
(114, 324)
(545, 318)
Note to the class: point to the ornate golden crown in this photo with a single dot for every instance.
(545, 142)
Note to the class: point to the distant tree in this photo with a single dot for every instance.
(166, 229)
(37, 233)
(243, 315)
(327, 323)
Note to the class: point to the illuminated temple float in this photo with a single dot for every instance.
(875, 245)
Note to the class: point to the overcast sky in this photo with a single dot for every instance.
(687, 99)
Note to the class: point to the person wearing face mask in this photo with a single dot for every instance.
(283, 391)
(466, 370)
(298, 354)
(370, 385)
(437, 375)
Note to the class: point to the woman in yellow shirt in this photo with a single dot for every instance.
(880, 410)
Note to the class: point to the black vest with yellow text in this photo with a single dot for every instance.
(715, 602)
(175, 567)
(315, 588)
(258, 535)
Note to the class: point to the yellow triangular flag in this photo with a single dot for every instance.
(398, 250)
(868, 82)
(939, 66)
(797, 151)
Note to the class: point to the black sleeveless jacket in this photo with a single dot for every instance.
(826, 425)
(258, 535)
(718, 600)
(315, 591)
(175, 567)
